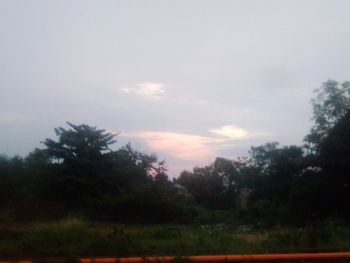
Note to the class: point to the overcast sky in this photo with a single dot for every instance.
(188, 80)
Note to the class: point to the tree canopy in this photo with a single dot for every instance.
(81, 143)
(332, 102)
(83, 172)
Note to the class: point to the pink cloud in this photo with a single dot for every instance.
(180, 145)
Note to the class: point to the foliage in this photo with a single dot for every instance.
(334, 161)
(330, 105)
(73, 237)
(80, 173)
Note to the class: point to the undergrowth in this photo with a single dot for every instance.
(74, 237)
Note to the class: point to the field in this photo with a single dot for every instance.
(73, 237)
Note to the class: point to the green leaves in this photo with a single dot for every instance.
(330, 105)
(79, 142)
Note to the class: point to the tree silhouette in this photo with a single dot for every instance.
(330, 105)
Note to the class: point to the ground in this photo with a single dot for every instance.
(73, 237)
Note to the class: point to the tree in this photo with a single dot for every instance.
(81, 163)
(134, 168)
(205, 186)
(85, 173)
(11, 185)
(322, 189)
(334, 159)
(276, 168)
(80, 145)
(330, 105)
(214, 186)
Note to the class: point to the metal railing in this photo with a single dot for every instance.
(209, 258)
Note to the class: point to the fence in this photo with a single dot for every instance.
(207, 259)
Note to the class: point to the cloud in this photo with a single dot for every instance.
(148, 90)
(194, 149)
(231, 132)
(126, 90)
(10, 117)
(180, 145)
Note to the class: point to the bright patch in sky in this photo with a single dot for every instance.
(148, 90)
(180, 145)
(186, 146)
(230, 131)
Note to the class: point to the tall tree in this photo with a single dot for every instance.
(81, 164)
(334, 161)
(276, 167)
(79, 146)
(332, 102)
(214, 186)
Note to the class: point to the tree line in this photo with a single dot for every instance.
(79, 174)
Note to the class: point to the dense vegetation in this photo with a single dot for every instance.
(80, 175)
(74, 238)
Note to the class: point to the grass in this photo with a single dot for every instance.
(73, 237)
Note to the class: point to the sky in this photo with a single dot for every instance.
(188, 80)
